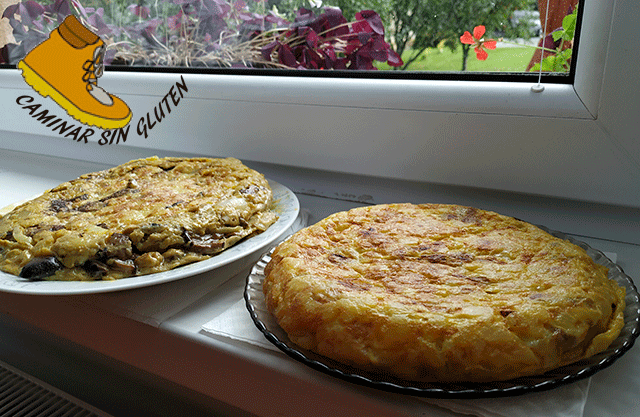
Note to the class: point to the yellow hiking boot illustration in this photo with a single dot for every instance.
(66, 67)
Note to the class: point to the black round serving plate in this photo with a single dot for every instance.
(585, 368)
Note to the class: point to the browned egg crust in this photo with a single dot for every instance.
(441, 293)
(145, 216)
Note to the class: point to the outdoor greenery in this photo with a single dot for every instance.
(413, 26)
(504, 59)
(396, 34)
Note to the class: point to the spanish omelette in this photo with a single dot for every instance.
(441, 293)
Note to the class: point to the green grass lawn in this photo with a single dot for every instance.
(500, 59)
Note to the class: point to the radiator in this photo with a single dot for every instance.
(22, 395)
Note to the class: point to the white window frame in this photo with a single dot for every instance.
(571, 141)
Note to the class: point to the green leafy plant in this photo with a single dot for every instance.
(560, 43)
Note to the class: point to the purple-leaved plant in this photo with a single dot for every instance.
(215, 33)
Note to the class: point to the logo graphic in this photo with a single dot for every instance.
(66, 67)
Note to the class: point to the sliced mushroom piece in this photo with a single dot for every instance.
(58, 206)
(120, 193)
(95, 269)
(127, 266)
(91, 206)
(205, 244)
(118, 246)
(41, 267)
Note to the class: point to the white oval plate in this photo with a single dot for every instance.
(285, 203)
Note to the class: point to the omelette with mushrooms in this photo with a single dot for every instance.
(142, 217)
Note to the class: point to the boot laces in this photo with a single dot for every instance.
(94, 68)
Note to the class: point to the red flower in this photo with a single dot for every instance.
(478, 42)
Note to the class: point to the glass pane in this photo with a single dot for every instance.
(386, 36)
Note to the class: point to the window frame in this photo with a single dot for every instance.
(317, 101)
(394, 90)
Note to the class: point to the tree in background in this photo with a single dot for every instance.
(351, 7)
(414, 25)
(494, 16)
(417, 25)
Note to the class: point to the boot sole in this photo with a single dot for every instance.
(47, 90)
